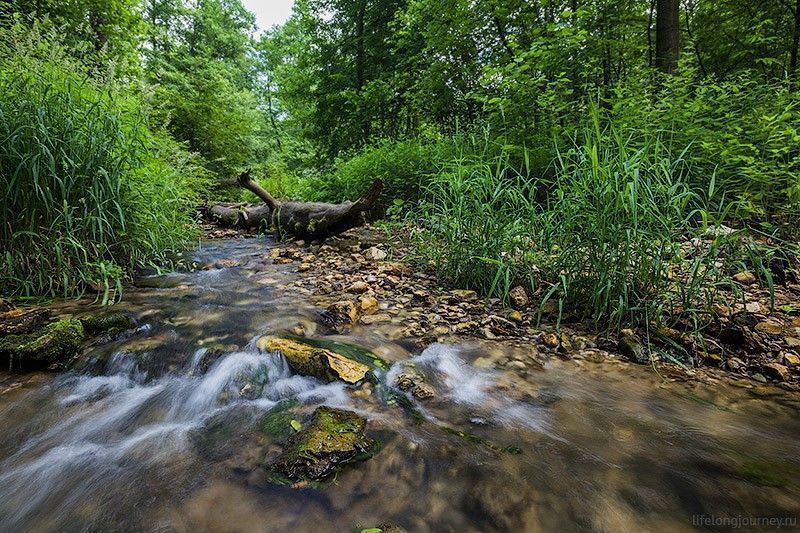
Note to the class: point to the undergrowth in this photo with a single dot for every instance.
(621, 235)
(90, 193)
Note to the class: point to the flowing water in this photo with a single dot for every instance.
(151, 434)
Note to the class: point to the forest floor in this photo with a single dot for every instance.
(363, 279)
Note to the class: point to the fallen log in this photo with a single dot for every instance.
(308, 219)
(241, 216)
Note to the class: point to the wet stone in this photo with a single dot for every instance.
(333, 438)
(630, 345)
(775, 371)
(19, 321)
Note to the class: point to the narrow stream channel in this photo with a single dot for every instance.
(145, 437)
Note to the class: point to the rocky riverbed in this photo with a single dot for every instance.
(362, 279)
(307, 386)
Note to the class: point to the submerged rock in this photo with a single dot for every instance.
(94, 324)
(412, 382)
(56, 343)
(315, 361)
(333, 438)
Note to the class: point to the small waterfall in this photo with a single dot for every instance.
(464, 384)
(108, 423)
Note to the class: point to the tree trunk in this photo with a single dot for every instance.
(667, 35)
(241, 216)
(302, 219)
(361, 66)
(793, 73)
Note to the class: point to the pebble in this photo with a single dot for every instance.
(375, 254)
(745, 278)
(753, 307)
(776, 371)
(791, 359)
(358, 287)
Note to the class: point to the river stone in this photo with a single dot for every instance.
(338, 313)
(313, 361)
(519, 298)
(19, 321)
(333, 438)
(745, 278)
(776, 371)
(359, 287)
(413, 382)
(464, 295)
(94, 324)
(771, 327)
(631, 347)
(375, 254)
(368, 304)
(54, 343)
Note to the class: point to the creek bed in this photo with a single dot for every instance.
(152, 434)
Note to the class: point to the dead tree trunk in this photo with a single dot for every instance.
(300, 219)
(241, 216)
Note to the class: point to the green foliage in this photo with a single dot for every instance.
(404, 166)
(745, 133)
(608, 239)
(89, 192)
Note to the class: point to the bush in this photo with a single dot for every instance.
(404, 166)
(743, 132)
(617, 236)
(89, 192)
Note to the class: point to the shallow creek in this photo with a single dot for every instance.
(142, 438)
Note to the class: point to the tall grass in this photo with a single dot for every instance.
(618, 236)
(89, 192)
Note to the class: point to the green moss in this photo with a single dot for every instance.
(766, 472)
(351, 351)
(94, 324)
(54, 343)
(277, 422)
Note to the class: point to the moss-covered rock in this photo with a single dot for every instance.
(56, 343)
(211, 355)
(334, 437)
(94, 324)
(314, 361)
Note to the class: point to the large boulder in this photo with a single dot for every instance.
(55, 343)
(333, 438)
(315, 361)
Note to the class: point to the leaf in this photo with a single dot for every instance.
(295, 425)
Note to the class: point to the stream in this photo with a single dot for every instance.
(145, 437)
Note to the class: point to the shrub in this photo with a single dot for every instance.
(404, 166)
(743, 132)
(89, 192)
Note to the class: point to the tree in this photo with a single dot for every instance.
(667, 35)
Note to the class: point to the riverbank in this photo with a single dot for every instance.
(364, 279)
